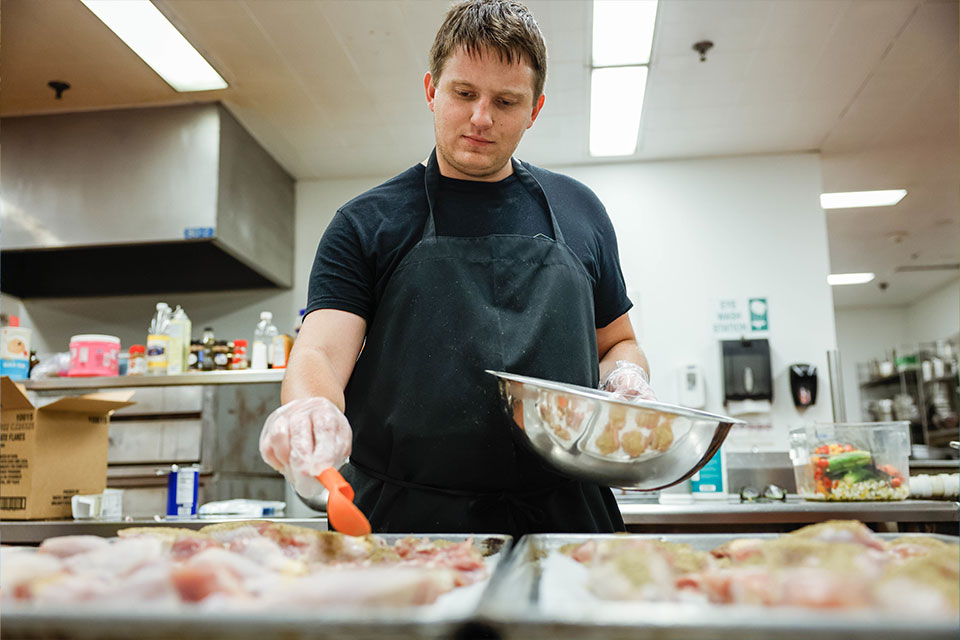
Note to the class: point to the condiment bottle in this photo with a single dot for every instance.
(239, 355)
(138, 360)
(208, 342)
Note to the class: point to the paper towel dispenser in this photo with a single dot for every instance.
(746, 370)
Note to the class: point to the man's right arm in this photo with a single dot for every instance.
(323, 356)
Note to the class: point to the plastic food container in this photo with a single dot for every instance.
(852, 462)
(94, 355)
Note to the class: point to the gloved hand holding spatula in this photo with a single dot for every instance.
(307, 440)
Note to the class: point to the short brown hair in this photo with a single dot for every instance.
(504, 26)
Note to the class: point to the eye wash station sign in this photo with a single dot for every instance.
(740, 317)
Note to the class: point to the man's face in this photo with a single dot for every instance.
(481, 108)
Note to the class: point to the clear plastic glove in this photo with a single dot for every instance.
(629, 381)
(304, 437)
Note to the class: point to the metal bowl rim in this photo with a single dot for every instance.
(598, 394)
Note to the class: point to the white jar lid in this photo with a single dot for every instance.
(95, 337)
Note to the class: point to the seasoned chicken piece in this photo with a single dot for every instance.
(166, 535)
(195, 583)
(216, 571)
(794, 586)
(912, 546)
(462, 558)
(66, 546)
(739, 549)
(583, 553)
(635, 442)
(633, 575)
(22, 570)
(268, 553)
(150, 584)
(638, 569)
(609, 439)
(662, 436)
(923, 585)
(647, 419)
(841, 531)
(121, 557)
(389, 586)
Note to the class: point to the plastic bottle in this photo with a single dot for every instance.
(137, 366)
(179, 331)
(158, 341)
(207, 342)
(263, 337)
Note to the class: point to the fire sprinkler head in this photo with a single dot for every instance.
(702, 47)
(59, 87)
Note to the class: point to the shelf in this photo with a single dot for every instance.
(952, 379)
(891, 379)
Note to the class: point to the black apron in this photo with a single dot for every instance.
(433, 450)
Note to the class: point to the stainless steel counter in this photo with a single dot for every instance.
(794, 511)
(197, 377)
(638, 516)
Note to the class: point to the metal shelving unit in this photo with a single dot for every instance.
(917, 383)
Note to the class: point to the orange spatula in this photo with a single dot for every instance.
(344, 515)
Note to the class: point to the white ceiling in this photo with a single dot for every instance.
(334, 89)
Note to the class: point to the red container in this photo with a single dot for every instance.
(93, 354)
(239, 355)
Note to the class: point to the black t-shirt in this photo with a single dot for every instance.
(369, 236)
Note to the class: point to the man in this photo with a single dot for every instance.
(469, 261)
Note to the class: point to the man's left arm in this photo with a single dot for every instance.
(616, 344)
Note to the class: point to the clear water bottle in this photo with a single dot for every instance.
(179, 331)
(263, 341)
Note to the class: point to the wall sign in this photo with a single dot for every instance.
(740, 317)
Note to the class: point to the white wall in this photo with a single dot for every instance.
(697, 230)
(865, 334)
(935, 316)
(317, 202)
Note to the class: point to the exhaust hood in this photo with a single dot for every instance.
(152, 200)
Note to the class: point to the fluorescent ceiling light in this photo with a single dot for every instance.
(151, 36)
(616, 100)
(851, 199)
(835, 279)
(623, 31)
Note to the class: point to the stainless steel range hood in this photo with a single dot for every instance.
(150, 200)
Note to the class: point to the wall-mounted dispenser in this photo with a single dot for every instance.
(746, 370)
(693, 392)
(803, 384)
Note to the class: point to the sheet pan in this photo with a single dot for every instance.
(441, 619)
(525, 601)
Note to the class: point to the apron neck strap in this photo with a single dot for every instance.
(431, 184)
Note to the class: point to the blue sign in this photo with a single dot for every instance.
(192, 233)
(710, 477)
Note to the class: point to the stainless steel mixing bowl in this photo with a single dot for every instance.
(593, 435)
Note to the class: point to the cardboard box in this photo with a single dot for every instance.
(51, 453)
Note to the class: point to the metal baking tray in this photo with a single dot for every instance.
(438, 620)
(513, 607)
